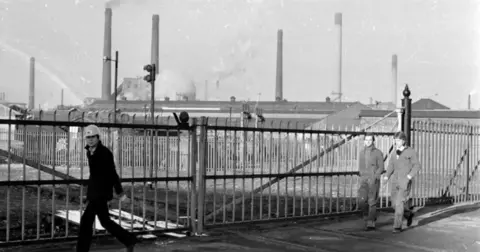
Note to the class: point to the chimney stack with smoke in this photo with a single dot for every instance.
(279, 77)
(107, 55)
(61, 98)
(338, 25)
(395, 98)
(155, 41)
(31, 89)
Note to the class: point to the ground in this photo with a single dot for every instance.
(446, 228)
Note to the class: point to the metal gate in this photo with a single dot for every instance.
(44, 171)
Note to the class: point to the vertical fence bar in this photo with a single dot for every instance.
(24, 174)
(202, 162)
(9, 148)
(39, 177)
(469, 146)
(193, 149)
(54, 152)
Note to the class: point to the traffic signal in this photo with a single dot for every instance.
(151, 73)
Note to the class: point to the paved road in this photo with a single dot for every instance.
(440, 230)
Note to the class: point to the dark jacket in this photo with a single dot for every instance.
(402, 165)
(370, 162)
(103, 176)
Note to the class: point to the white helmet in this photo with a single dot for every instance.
(92, 130)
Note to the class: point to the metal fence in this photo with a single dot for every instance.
(256, 174)
(186, 179)
(450, 156)
(44, 170)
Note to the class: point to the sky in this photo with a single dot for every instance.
(234, 41)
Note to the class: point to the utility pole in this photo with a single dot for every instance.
(115, 84)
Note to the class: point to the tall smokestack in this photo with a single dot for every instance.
(206, 90)
(469, 101)
(31, 89)
(338, 28)
(61, 98)
(155, 41)
(279, 77)
(395, 98)
(107, 54)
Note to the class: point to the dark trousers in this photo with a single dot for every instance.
(368, 197)
(401, 203)
(100, 208)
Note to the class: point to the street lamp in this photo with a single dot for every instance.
(115, 83)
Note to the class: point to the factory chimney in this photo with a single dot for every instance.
(107, 54)
(395, 98)
(31, 89)
(61, 99)
(338, 26)
(279, 77)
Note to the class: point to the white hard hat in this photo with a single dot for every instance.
(92, 130)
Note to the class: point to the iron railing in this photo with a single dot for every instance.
(450, 156)
(44, 171)
(187, 179)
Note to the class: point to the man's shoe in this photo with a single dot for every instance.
(130, 248)
(397, 230)
(370, 225)
(410, 220)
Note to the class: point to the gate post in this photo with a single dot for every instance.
(202, 163)
(407, 115)
(193, 171)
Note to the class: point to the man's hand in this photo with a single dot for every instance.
(385, 178)
(409, 177)
(84, 199)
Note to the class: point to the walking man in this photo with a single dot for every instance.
(370, 166)
(103, 178)
(402, 167)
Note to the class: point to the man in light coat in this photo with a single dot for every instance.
(402, 168)
(370, 166)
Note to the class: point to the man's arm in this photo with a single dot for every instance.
(415, 163)
(116, 180)
(380, 164)
(390, 167)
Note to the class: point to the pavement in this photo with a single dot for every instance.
(441, 228)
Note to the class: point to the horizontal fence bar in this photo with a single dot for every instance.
(99, 124)
(287, 175)
(84, 181)
(298, 131)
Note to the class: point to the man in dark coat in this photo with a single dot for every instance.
(370, 166)
(103, 178)
(402, 168)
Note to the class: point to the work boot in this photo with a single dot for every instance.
(397, 230)
(130, 248)
(370, 225)
(410, 219)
